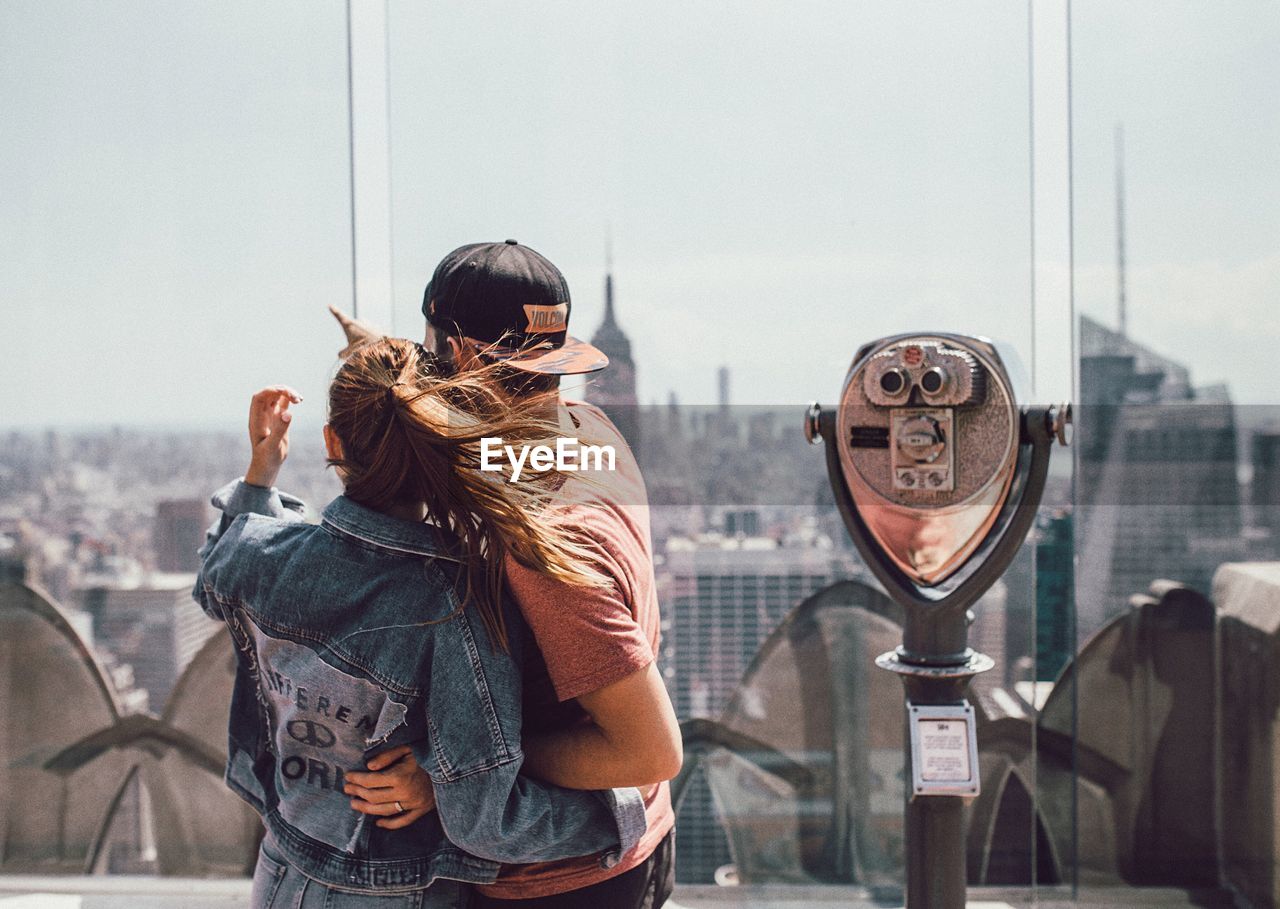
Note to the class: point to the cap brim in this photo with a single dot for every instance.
(572, 358)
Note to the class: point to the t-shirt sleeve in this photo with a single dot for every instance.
(589, 637)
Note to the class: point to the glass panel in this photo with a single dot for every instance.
(176, 215)
(1177, 218)
(740, 197)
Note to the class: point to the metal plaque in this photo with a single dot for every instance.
(944, 749)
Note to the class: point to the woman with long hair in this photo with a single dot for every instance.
(386, 625)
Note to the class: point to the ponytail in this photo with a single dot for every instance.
(412, 435)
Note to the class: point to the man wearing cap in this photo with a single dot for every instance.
(593, 683)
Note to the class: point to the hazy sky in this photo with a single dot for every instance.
(782, 183)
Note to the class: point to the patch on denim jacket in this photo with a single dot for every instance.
(322, 723)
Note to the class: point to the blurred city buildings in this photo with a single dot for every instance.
(1159, 488)
(722, 593)
(770, 626)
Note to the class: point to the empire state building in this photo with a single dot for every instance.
(614, 389)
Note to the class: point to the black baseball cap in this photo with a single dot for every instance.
(511, 304)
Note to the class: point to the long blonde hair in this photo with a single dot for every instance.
(411, 434)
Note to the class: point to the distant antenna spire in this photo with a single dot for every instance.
(1120, 261)
(608, 275)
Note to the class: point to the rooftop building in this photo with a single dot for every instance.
(150, 624)
(614, 388)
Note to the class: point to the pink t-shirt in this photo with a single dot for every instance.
(589, 639)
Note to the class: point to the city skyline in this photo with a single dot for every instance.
(740, 197)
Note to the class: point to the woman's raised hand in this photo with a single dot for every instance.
(269, 433)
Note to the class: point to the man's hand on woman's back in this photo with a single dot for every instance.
(395, 789)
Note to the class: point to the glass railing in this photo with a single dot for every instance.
(739, 199)
(1175, 270)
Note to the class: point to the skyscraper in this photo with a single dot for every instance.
(1265, 490)
(179, 531)
(1055, 632)
(614, 389)
(1158, 492)
(155, 627)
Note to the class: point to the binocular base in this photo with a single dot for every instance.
(895, 661)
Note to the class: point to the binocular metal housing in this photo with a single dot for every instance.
(937, 472)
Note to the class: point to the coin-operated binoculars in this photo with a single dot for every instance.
(938, 473)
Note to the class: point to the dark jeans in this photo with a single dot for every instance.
(646, 886)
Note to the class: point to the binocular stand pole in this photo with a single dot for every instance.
(935, 853)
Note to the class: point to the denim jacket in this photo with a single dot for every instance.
(350, 640)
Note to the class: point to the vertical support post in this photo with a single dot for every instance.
(370, 149)
(1052, 269)
(1052, 316)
